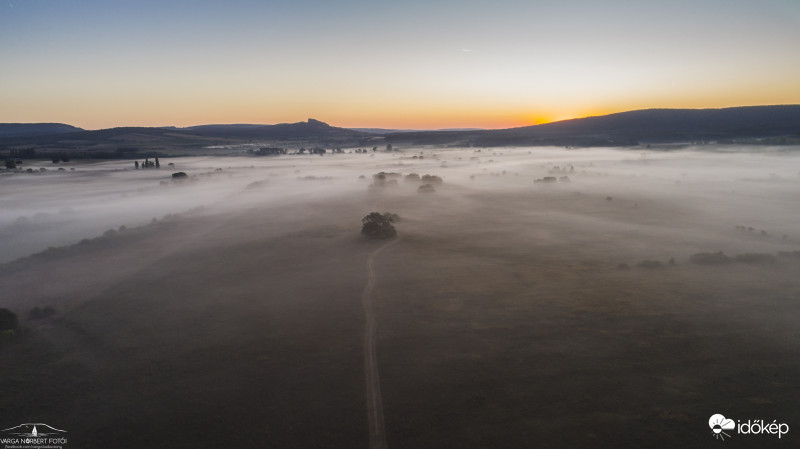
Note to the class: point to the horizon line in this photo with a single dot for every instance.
(401, 128)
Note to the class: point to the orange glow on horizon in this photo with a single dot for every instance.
(432, 119)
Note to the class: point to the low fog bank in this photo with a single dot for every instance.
(740, 199)
(516, 306)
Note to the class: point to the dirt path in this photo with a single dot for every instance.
(377, 433)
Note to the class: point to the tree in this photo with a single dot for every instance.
(378, 226)
(8, 320)
(10, 164)
(37, 313)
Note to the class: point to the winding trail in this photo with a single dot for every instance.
(377, 432)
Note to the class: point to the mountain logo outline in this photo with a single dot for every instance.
(33, 430)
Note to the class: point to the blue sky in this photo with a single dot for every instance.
(391, 64)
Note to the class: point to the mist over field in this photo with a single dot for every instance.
(659, 199)
(536, 297)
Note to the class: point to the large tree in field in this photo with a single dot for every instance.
(378, 226)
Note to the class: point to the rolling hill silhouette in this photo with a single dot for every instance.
(620, 129)
(32, 129)
(633, 127)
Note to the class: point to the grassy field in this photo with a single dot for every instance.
(503, 320)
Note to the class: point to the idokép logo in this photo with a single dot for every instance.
(719, 424)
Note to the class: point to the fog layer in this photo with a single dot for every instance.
(731, 198)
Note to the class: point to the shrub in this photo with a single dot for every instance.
(8, 320)
(37, 313)
(717, 258)
(432, 179)
(755, 258)
(426, 188)
(790, 254)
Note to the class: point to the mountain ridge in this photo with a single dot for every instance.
(658, 125)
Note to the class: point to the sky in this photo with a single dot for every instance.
(393, 64)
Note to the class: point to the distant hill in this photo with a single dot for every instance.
(626, 128)
(312, 129)
(392, 131)
(33, 129)
(632, 127)
(146, 138)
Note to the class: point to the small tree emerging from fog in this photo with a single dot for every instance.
(379, 226)
(37, 313)
(8, 320)
(432, 179)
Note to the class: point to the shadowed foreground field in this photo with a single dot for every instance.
(499, 324)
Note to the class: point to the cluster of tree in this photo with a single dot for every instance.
(551, 179)
(719, 258)
(14, 157)
(432, 179)
(26, 153)
(56, 158)
(8, 324)
(379, 226)
(147, 163)
(268, 151)
(274, 151)
(384, 179)
(558, 170)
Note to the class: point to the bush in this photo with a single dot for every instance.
(755, 258)
(378, 226)
(8, 320)
(717, 258)
(7, 334)
(425, 188)
(36, 313)
(432, 179)
(649, 264)
(790, 254)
